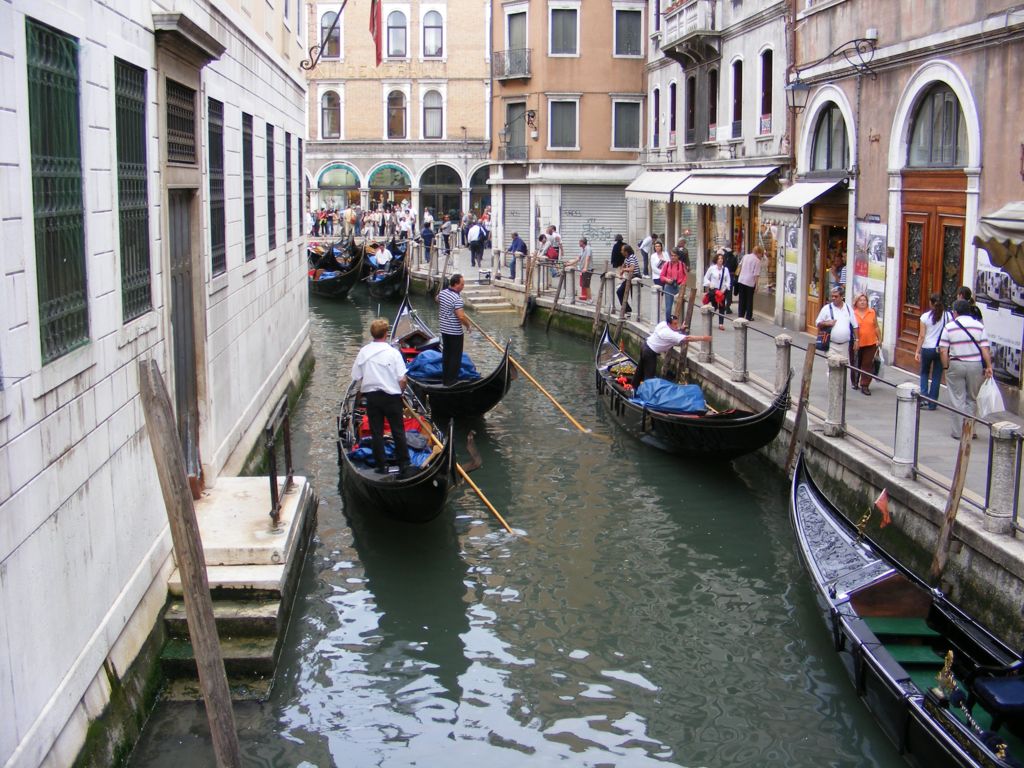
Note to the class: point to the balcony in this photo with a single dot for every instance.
(691, 33)
(513, 64)
(512, 153)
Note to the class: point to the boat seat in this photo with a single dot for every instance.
(886, 626)
(1002, 697)
(914, 655)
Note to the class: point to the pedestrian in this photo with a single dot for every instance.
(516, 250)
(446, 234)
(379, 370)
(963, 292)
(717, 287)
(477, 236)
(630, 266)
(732, 265)
(750, 269)
(868, 336)
(452, 319)
(427, 236)
(837, 274)
(841, 322)
(645, 253)
(665, 335)
(616, 259)
(658, 259)
(964, 350)
(683, 253)
(673, 277)
(585, 265)
(927, 352)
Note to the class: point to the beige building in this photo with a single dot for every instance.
(413, 128)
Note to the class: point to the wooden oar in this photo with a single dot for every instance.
(462, 473)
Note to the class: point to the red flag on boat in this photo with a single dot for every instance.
(882, 504)
(375, 27)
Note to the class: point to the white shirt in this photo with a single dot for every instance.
(750, 268)
(664, 338)
(476, 232)
(717, 278)
(656, 262)
(645, 244)
(933, 330)
(379, 367)
(846, 321)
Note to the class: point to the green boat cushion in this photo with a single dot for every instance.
(904, 627)
(914, 654)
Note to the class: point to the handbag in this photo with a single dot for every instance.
(707, 298)
(878, 362)
(824, 339)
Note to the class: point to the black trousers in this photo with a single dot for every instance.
(451, 357)
(381, 406)
(621, 292)
(648, 366)
(746, 308)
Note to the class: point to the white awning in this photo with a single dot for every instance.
(787, 206)
(721, 186)
(655, 185)
(1002, 235)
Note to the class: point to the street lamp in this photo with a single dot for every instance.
(797, 94)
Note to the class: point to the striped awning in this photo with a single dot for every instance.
(655, 185)
(786, 207)
(722, 186)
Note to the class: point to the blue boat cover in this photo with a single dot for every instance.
(328, 275)
(364, 453)
(427, 365)
(663, 395)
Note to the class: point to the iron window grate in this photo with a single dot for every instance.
(248, 192)
(181, 123)
(288, 208)
(215, 139)
(271, 196)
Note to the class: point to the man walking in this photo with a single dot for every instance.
(477, 236)
(965, 353)
(516, 250)
(750, 269)
(645, 254)
(452, 319)
(380, 371)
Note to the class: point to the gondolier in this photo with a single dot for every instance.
(379, 371)
(452, 319)
(665, 336)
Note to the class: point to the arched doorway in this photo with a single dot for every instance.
(479, 190)
(339, 186)
(441, 191)
(389, 185)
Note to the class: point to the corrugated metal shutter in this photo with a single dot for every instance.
(596, 213)
(516, 213)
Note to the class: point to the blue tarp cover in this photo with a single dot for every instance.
(427, 365)
(663, 395)
(328, 275)
(364, 453)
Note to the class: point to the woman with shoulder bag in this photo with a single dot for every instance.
(927, 352)
(717, 285)
(863, 356)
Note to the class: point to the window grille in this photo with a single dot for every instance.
(132, 195)
(218, 226)
(57, 199)
(181, 123)
(248, 192)
(271, 197)
(298, 186)
(288, 207)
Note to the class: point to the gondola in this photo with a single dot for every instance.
(944, 689)
(701, 435)
(467, 398)
(417, 497)
(337, 284)
(389, 281)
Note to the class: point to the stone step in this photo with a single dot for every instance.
(258, 582)
(241, 689)
(235, 618)
(244, 657)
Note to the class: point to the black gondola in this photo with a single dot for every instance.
(417, 497)
(703, 436)
(944, 689)
(388, 282)
(350, 267)
(466, 399)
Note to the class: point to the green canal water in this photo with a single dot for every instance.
(653, 613)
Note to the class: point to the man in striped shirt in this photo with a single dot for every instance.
(965, 354)
(452, 318)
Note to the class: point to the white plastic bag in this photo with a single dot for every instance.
(989, 399)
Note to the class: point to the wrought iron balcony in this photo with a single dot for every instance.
(511, 65)
(512, 153)
(691, 32)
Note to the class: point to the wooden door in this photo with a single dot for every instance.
(183, 326)
(817, 279)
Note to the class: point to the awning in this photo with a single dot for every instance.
(1002, 235)
(787, 206)
(721, 186)
(655, 185)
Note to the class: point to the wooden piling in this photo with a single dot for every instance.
(963, 458)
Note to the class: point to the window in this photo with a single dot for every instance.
(657, 15)
(271, 195)
(656, 118)
(298, 187)
(516, 30)
(563, 125)
(691, 110)
(330, 39)
(57, 198)
(181, 123)
(628, 33)
(737, 99)
(626, 125)
(396, 115)
(433, 35)
(132, 197)
(215, 165)
(248, 192)
(289, 210)
(330, 116)
(672, 113)
(563, 31)
(765, 126)
(712, 102)
(397, 48)
(829, 151)
(433, 114)
(938, 138)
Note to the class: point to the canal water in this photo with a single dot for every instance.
(652, 613)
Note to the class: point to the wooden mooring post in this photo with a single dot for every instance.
(963, 458)
(800, 423)
(188, 551)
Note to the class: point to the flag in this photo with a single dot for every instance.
(375, 27)
(882, 505)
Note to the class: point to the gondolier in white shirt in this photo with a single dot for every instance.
(665, 336)
(379, 370)
(452, 319)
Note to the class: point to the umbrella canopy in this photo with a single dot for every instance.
(1002, 235)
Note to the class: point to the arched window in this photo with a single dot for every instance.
(396, 35)
(712, 102)
(830, 151)
(672, 113)
(433, 35)
(331, 43)
(656, 118)
(939, 136)
(765, 126)
(690, 124)
(330, 116)
(396, 115)
(737, 99)
(433, 115)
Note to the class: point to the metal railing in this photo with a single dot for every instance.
(279, 421)
(510, 64)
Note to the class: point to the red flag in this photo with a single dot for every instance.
(375, 27)
(882, 505)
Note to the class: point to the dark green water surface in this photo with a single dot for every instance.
(654, 613)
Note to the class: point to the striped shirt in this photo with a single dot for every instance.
(449, 301)
(959, 340)
(631, 261)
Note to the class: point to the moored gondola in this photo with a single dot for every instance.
(703, 434)
(466, 399)
(333, 273)
(943, 688)
(389, 280)
(417, 496)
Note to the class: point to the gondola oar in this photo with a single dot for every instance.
(533, 381)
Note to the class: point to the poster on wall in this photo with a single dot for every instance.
(869, 265)
(789, 288)
(1005, 329)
